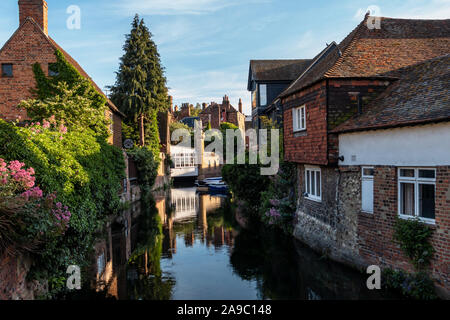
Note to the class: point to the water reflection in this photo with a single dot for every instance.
(185, 245)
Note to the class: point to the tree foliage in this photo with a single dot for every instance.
(140, 89)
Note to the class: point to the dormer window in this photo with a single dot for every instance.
(7, 70)
(262, 94)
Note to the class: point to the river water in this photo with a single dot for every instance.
(184, 245)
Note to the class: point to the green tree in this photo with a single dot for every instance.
(140, 91)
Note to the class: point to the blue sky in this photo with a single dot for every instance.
(206, 45)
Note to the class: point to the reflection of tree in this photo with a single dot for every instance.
(268, 258)
(145, 276)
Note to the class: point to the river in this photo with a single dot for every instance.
(188, 246)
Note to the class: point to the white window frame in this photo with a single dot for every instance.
(416, 180)
(261, 90)
(308, 183)
(299, 118)
(368, 179)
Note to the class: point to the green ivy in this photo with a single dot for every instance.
(414, 238)
(147, 166)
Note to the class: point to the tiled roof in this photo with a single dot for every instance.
(372, 53)
(420, 96)
(277, 70)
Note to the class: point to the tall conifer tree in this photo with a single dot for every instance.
(140, 91)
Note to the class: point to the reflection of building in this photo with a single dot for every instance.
(185, 203)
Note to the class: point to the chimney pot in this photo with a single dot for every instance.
(240, 105)
(35, 9)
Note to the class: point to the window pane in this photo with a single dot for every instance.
(299, 119)
(430, 174)
(7, 70)
(367, 195)
(263, 94)
(302, 118)
(318, 183)
(368, 172)
(308, 182)
(426, 201)
(313, 183)
(407, 173)
(407, 206)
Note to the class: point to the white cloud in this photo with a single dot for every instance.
(177, 7)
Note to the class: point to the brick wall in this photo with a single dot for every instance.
(316, 145)
(117, 131)
(309, 146)
(375, 231)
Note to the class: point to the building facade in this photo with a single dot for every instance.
(266, 80)
(342, 82)
(216, 114)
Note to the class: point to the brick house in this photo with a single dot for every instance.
(338, 84)
(266, 80)
(29, 44)
(218, 113)
(396, 157)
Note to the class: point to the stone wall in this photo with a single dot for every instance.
(326, 226)
(13, 283)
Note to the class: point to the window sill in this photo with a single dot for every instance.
(301, 133)
(430, 222)
(367, 212)
(314, 199)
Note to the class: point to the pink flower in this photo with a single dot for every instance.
(62, 129)
(45, 124)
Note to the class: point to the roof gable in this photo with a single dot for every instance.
(276, 70)
(55, 46)
(420, 96)
(372, 53)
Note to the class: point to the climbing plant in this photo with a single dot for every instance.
(414, 238)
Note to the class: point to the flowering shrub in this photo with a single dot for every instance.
(86, 174)
(28, 219)
(417, 286)
(279, 201)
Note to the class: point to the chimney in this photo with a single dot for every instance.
(203, 106)
(36, 9)
(176, 108)
(240, 105)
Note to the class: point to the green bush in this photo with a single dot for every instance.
(246, 182)
(414, 238)
(86, 174)
(146, 165)
(416, 286)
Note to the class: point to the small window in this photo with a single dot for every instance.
(417, 193)
(7, 70)
(262, 94)
(313, 183)
(299, 118)
(367, 190)
(53, 70)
